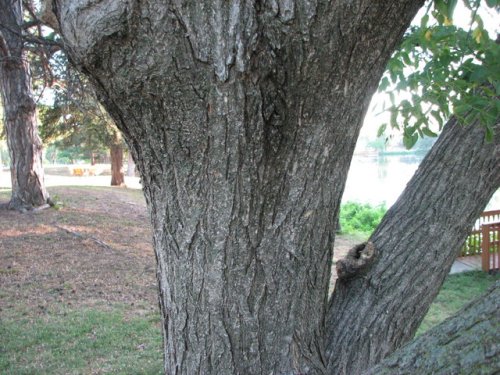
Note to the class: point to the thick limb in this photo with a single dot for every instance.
(416, 242)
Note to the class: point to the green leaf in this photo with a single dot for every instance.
(438, 117)
(406, 58)
(479, 74)
(451, 8)
(441, 7)
(392, 98)
(394, 118)
(429, 133)
(381, 130)
(410, 140)
(461, 109)
(424, 21)
(489, 134)
(384, 84)
(492, 3)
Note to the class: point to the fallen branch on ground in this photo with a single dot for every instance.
(79, 235)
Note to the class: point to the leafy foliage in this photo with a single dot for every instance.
(75, 122)
(442, 70)
(360, 218)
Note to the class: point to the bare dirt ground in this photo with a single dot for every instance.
(95, 250)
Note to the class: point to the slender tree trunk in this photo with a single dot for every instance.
(116, 156)
(380, 309)
(465, 344)
(25, 147)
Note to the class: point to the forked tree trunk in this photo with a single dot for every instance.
(242, 118)
(25, 147)
(116, 156)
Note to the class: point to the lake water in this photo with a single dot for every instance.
(378, 180)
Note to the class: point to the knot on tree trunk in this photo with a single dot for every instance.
(357, 261)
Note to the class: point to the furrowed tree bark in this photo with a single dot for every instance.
(416, 243)
(464, 344)
(242, 118)
(21, 128)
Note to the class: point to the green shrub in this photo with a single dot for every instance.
(360, 217)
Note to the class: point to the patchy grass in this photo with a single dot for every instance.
(85, 341)
(78, 286)
(457, 290)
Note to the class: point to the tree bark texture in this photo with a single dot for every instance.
(416, 244)
(467, 343)
(24, 143)
(116, 156)
(243, 117)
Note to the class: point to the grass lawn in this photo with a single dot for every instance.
(78, 287)
(93, 341)
(457, 290)
(88, 341)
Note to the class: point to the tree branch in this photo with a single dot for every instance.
(417, 242)
(29, 24)
(84, 23)
(467, 343)
(4, 49)
(30, 38)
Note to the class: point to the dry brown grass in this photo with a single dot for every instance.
(96, 249)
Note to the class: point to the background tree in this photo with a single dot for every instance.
(2, 137)
(75, 120)
(25, 148)
(243, 117)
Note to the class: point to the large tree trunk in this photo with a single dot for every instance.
(25, 147)
(464, 344)
(380, 308)
(243, 118)
(116, 156)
